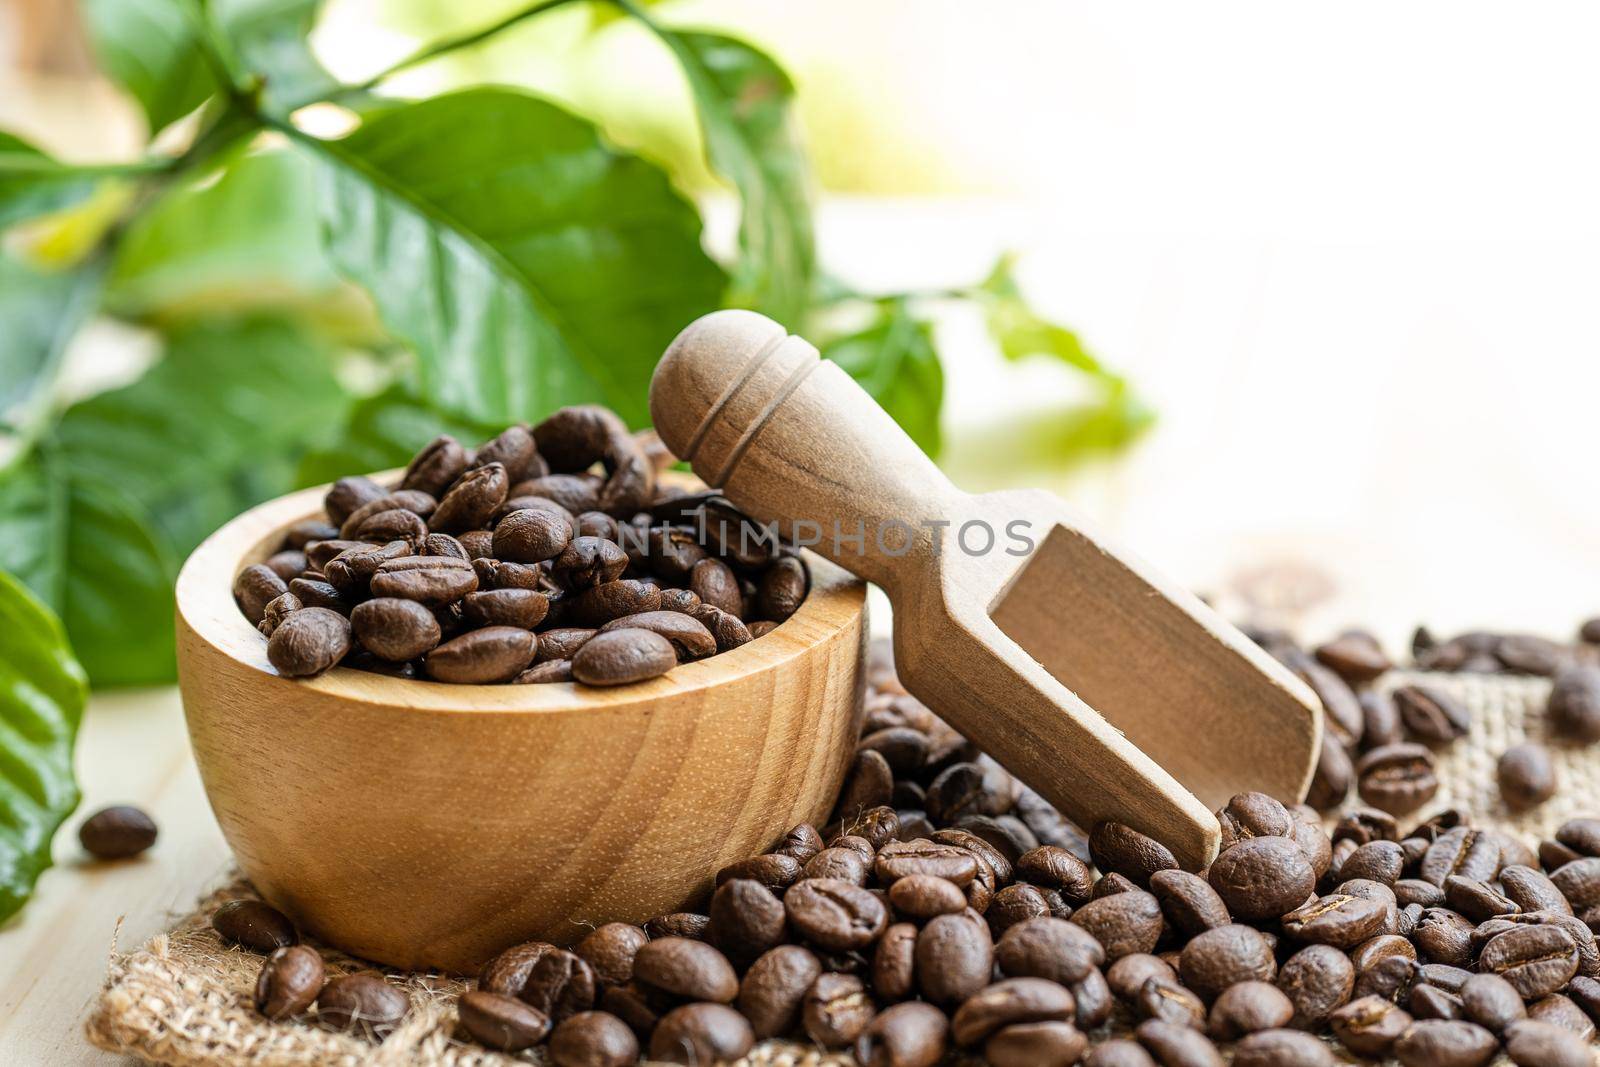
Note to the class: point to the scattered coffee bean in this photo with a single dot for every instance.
(501, 1022)
(362, 1002)
(701, 1034)
(1527, 776)
(254, 924)
(1397, 778)
(289, 983)
(117, 832)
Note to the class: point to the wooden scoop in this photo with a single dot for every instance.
(1111, 691)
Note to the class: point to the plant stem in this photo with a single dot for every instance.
(439, 48)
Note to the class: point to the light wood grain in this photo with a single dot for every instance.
(1007, 641)
(429, 825)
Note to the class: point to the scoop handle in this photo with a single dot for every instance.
(793, 440)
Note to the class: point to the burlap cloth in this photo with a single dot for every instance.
(185, 999)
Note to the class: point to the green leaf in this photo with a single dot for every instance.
(895, 361)
(87, 550)
(1022, 332)
(42, 693)
(385, 431)
(149, 46)
(41, 311)
(250, 238)
(32, 184)
(528, 264)
(745, 102)
(216, 426)
(270, 37)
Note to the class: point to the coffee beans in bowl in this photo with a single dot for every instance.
(550, 553)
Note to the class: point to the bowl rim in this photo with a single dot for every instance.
(206, 609)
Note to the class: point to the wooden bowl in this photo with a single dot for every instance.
(425, 825)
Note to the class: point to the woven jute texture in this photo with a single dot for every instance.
(185, 999)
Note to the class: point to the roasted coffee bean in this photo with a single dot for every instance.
(686, 968)
(1339, 919)
(1014, 904)
(1188, 902)
(1559, 1010)
(555, 670)
(1431, 1002)
(1527, 776)
(1175, 1045)
(1219, 958)
(1119, 1053)
(278, 608)
(954, 955)
(834, 914)
(969, 789)
(987, 854)
(782, 589)
(362, 1002)
(351, 571)
(894, 963)
(531, 535)
(678, 924)
(117, 832)
(1442, 936)
(557, 982)
(1127, 976)
(308, 642)
(746, 920)
(1476, 900)
(1054, 867)
(481, 657)
(1492, 1002)
(1408, 891)
(714, 582)
(1248, 1007)
(500, 1022)
(439, 463)
(1317, 980)
(520, 608)
(1462, 851)
(1250, 815)
(836, 1010)
(1124, 850)
(1161, 998)
(289, 982)
(1535, 1044)
(609, 951)
(394, 629)
(613, 600)
(1331, 779)
(1262, 878)
(471, 501)
(1430, 715)
(843, 864)
(392, 524)
(1536, 960)
(802, 842)
(593, 1039)
(726, 627)
(1573, 710)
(1440, 1043)
(430, 580)
(1370, 953)
(590, 561)
(1378, 861)
(870, 784)
(1513, 850)
(320, 553)
(1281, 1048)
(775, 870)
(1048, 1044)
(1397, 778)
(1355, 656)
(701, 1034)
(1369, 1026)
(689, 639)
(914, 1034)
(899, 859)
(255, 586)
(922, 896)
(254, 925)
(775, 987)
(1122, 923)
(1049, 948)
(1532, 890)
(1009, 1003)
(348, 494)
(618, 657)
